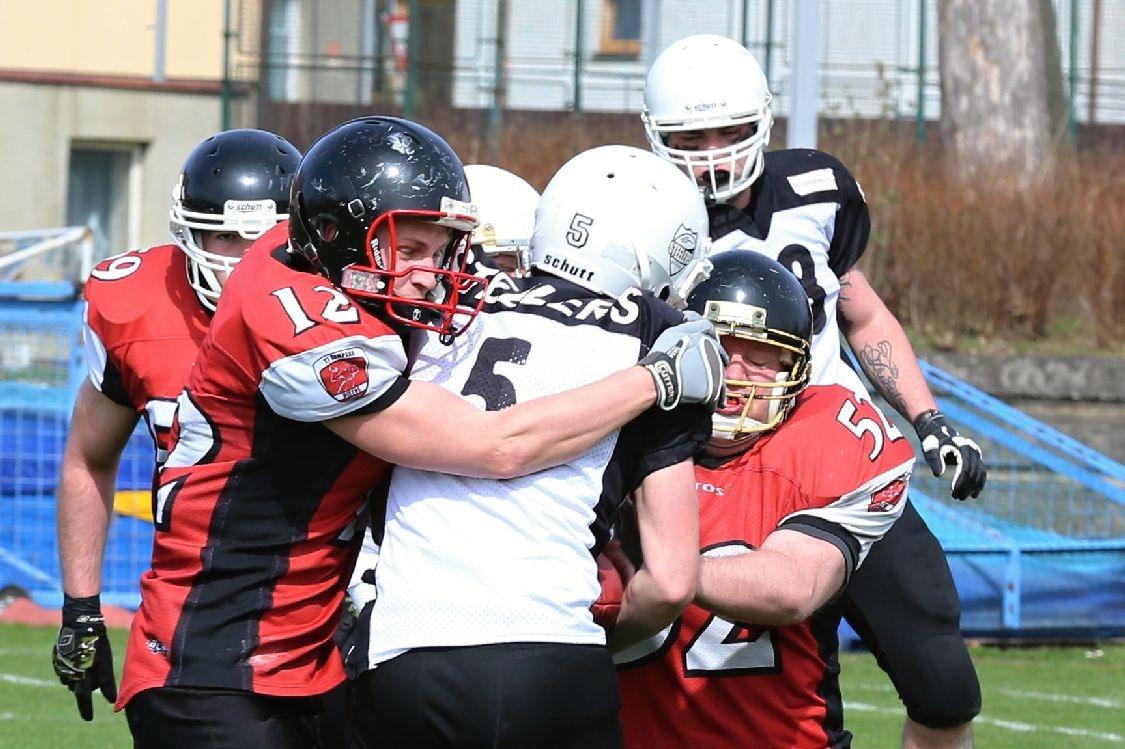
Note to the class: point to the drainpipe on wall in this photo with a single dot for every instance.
(158, 50)
(224, 89)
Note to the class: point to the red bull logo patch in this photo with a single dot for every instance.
(343, 374)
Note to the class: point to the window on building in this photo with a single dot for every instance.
(99, 195)
(282, 72)
(621, 29)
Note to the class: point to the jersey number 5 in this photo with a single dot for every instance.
(497, 391)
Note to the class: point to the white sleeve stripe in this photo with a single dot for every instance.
(96, 356)
(853, 512)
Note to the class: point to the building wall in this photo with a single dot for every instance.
(113, 37)
(33, 185)
(99, 74)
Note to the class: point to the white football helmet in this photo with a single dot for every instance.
(616, 216)
(235, 181)
(709, 81)
(506, 206)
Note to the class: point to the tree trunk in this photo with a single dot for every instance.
(1002, 108)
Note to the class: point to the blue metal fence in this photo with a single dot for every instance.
(1042, 550)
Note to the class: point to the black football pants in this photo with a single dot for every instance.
(504, 696)
(904, 606)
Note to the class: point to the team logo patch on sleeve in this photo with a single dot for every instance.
(343, 373)
(887, 498)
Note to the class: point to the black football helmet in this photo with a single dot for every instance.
(749, 295)
(379, 169)
(235, 181)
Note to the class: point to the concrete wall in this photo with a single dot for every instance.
(1083, 397)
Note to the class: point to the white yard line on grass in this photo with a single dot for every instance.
(1070, 698)
(1010, 725)
(27, 681)
(1114, 738)
(1074, 699)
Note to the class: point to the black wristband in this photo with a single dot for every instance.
(663, 372)
(86, 605)
(924, 419)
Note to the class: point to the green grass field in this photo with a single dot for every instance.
(1034, 698)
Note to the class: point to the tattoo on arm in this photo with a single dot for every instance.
(881, 370)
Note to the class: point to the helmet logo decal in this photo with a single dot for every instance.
(562, 265)
(250, 206)
(343, 374)
(682, 248)
(706, 106)
(250, 218)
(377, 253)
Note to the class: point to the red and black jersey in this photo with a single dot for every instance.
(144, 326)
(836, 469)
(257, 505)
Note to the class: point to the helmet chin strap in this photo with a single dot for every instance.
(696, 272)
(643, 274)
(723, 445)
(775, 405)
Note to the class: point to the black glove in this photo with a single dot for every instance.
(686, 363)
(82, 655)
(942, 446)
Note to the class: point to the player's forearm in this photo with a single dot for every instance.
(887, 358)
(880, 345)
(547, 431)
(85, 502)
(759, 587)
(433, 429)
(646, 608)
(99, 430)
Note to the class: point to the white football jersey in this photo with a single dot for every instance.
(471, 561)
(809, 214)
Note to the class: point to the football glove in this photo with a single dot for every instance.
(942, 447)
(686, 363)
(82, 656)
